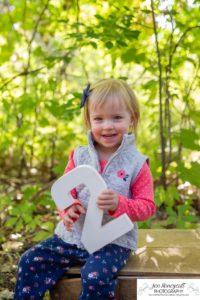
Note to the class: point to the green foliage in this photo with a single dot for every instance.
(49, 50)
(190, 174)
(179, 212)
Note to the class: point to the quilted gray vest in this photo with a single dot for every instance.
(119, 174)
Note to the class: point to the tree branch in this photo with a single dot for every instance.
(162, 138)
(183, 36)
(31, 41)
(24, 73)
(168, 71)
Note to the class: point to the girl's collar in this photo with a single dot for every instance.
(128, 139)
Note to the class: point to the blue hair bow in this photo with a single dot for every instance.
(85, 95)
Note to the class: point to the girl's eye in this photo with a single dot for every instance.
(117, 117)
(97, 119)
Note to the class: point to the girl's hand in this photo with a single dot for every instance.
(72, 215)
(108, 200)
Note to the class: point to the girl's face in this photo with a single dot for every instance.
(109, 122)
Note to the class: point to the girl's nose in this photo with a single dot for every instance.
(108, 124)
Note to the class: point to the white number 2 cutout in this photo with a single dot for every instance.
(94, 235)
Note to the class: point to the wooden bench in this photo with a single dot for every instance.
(171, 253)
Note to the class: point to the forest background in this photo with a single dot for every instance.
(49, 51)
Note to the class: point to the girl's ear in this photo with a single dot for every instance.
(131, 127)
(132, 122)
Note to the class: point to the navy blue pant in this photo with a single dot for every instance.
(42, 265)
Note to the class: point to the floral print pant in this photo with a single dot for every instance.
(42, 265)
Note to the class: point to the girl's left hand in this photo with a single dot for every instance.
(108, 200)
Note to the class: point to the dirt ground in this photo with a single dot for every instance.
(8, 267)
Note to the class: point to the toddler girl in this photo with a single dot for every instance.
(111, 111)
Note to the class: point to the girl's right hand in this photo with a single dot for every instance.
(72, 215)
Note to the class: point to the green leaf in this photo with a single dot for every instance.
(132, 55)
(183, 209)
(131, 34)
(160, 196)
(27, 217)
(121, 43)
(94, 45)
(42, 235)
(19, 225)
(171, 220)
(47, 201)
(150, 84)
(109, 45)
(49, 226)
(195, 116)
(171, 212)
(11, 222)
(190, 218)
(180, 224)
(190, 174)
(146, 11)
(59, 169)
(129, 56)
(144, 224)
(189, 139)
(172, 195)
(99, 17)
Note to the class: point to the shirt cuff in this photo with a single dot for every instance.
(63, 212)
(120, 208)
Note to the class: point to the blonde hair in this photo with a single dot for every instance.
(112, 88)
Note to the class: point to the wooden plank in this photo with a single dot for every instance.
(164, 260)
(163, 251)
(166, 251)
(66, 289)
(168, 238)
(159, 260)
(126, 289)
(69, 289)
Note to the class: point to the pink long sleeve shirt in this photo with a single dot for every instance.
(143, 206)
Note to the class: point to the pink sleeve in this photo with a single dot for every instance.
(70, 166)
(142, 205)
